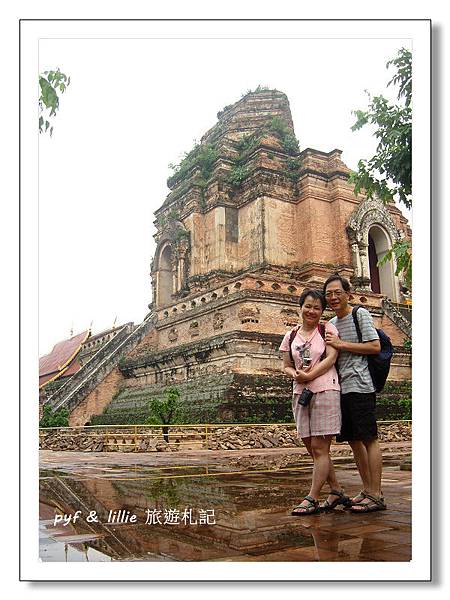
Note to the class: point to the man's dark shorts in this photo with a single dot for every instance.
(358, 417)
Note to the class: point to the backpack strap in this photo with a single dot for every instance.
(356, 322)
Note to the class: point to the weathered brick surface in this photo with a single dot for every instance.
(97, 400)
(147, 344)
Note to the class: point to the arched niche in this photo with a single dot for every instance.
(164, 288)
(372, 232)
(170, 266)
(382, 278)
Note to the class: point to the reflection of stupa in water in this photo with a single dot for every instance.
(251, 513)
(243, 514)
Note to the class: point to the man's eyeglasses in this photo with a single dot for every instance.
(336, 293)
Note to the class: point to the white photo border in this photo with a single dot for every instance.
(31, 568)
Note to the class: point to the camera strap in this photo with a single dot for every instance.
(320, 327)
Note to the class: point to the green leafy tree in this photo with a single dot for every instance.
(58, 419)
(165, 409)
(388, 173)
(51, 83)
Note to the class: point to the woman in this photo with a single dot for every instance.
(310, 363)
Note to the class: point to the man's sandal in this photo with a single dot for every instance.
(310, 509)
(341, 499)
(376, 503)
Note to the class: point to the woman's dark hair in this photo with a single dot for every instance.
(314, 294)
(336, 277)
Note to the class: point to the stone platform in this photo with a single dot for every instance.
(241, 502)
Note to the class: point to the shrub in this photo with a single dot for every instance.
(58, 419)
(237, 175)
(290, 144)
(389, 409)
(292, 171)
(247, 144)
(278, 126)
(202, 156)
(288, 140)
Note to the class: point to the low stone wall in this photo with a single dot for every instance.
(92, 441)
(179, 438)
(279, 436)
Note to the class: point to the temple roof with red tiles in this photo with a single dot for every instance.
(62, 359)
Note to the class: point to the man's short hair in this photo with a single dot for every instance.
(316, 294)
(336, 277)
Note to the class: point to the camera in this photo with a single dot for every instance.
(305, 397)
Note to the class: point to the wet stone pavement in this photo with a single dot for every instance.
(211, 506)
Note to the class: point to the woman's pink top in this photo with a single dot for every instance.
(327, 381)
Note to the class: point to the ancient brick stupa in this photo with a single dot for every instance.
(250, 221)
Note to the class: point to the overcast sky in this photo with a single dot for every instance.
(136, 105)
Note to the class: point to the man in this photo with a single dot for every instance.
(359, 426)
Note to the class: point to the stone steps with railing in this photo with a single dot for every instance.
(404, 309)
(397, 317)
(100, 365)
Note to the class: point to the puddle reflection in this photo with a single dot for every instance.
(242, 517)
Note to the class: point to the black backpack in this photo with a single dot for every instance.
(379, 364)
(320, 327)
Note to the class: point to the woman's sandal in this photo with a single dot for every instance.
(311, 509)
(341, 499)
(376, 503)
(356, 500)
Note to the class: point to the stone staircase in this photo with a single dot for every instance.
(405, 310)
(100, 365)
(397, 317)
